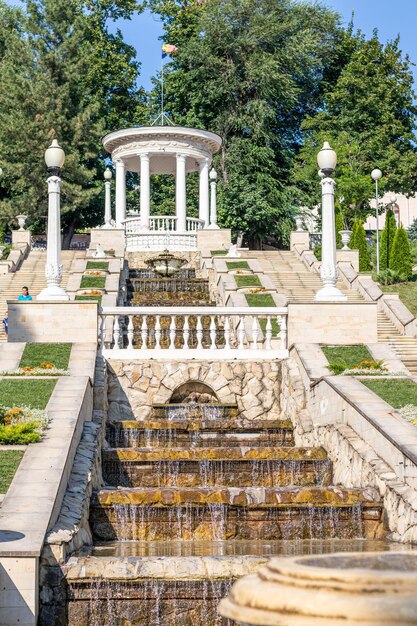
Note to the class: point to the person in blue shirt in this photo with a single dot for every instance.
(25, 295)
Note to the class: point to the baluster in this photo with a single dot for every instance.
(213, 332)
(172, 330)
(282, 320)
(227, 332)
(158, 332)
(186, 332)
(268, 335)
(144, 333)
(241, 333)
(199, 333)
(102, 333)
(130, 332)
(255, 333)
(116, 332)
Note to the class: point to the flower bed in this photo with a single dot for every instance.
(47, 370)
(21, 425)
(367, 368)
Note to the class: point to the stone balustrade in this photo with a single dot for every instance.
(203, 332)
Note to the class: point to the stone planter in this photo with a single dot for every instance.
(346, 235)
(339, 589)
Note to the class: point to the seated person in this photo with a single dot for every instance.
(25, 295)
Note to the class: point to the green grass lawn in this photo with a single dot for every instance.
(218, 252)
(397, 393)
(247, 280)
(97, 265)
(97, 298)
(237, 265)
(345, 357)
(407, 293)
(259, 299)
(31, 393)
(93, 282)
(36, 353)
(9, 462)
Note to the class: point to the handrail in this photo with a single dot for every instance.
(193, 332)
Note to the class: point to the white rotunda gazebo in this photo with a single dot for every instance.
(175, 150)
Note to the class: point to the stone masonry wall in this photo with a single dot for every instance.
(355, 462)
(135, 387)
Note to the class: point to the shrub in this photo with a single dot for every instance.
(391, 277)
(362, 245)
(387, 240)
(352, 243)
(337, 367)
(412, 231)
(340, 225)
(19, 434)
(400, 260)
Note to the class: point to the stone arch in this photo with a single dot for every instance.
(193, 391)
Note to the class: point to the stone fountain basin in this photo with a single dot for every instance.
(367, 589)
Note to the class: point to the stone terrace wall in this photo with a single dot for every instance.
(135, 386)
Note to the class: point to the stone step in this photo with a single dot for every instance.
(158, 469)
(192, 411)
(161, 433)
(239, 513)
(247, 453)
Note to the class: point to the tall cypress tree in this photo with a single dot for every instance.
(400, 259)
(362, 245)
(387, 240)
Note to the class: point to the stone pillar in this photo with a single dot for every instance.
(145, 191)
(53, 267)
(203, 208)
(213, 199)
(328, 271)
(107, 199)
(120, 192)
(181, 194)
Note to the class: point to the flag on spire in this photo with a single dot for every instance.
(168, 48)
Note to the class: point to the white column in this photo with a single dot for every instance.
(107, 198)
(181, 194)
(213, 199)
(145, 191)
(203, 204)
(328, 270)
(53, 267)
(120, 192)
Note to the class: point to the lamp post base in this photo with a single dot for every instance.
(53, 292)
(330, 294)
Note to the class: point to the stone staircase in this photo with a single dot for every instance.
(292, 278)
(32, 275)
(404, 347)
(204, 476)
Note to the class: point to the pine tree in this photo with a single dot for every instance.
(412, 231)
(369, 118)
(387, 240)
(362, 245)
(400, 259)
(340, 225)
(352, 244)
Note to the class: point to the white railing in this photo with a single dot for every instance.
(161, 223)
(164, 223)
(193, 224)
(157, 241)
(193, 332)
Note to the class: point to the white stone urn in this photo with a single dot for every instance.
(298, 224)
(340, 589)
(21, 220)
(346, 235)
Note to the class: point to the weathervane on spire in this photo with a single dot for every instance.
(167, 50)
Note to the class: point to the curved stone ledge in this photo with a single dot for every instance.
(342, 589)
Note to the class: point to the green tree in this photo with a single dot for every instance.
(387, 240)
(412, 231)
(369, 117)
(362, 245)
(400, 258)
(249, 71)
(57, 80)
(339, 225)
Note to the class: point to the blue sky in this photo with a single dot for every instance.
(390, 17)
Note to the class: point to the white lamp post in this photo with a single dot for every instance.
(107, 198)
(54, 159)
(376, 175)
(327, 160)
(213, 199)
